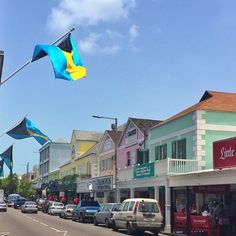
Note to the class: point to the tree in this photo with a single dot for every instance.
(10, 184)
(25, 189)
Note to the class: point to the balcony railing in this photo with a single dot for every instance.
(182, 166)
(164, 167)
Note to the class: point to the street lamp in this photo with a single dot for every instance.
(1, 63)
(113, 127)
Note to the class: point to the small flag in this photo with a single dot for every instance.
(27, 129)
(1, 168)
(7, 158)
(65, 59)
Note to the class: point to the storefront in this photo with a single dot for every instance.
(84, 189)
(204, 190)
(102, 188)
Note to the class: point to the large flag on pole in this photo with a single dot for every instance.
(1, 168)
(7, 158)
(26, 129)
(65, 59)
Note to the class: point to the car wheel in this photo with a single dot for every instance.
(107, 225)
(95, 221)
(129, 229)
(156, 233)
(114, 228)
(81, 218)
(73, 218)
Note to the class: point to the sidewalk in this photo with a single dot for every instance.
(171, 234)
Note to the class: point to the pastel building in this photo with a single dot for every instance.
(130, 158)
(181, 148)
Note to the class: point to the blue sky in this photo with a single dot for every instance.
(144, 59)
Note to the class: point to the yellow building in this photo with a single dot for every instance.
(81, 142)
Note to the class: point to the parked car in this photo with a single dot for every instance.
(30, 207)
(3, 206)
(105, 213)
(138, 215)
(67, 211)
(19, 202)
(40, 202)
(55, 208)
(85, 210)
(12, 198)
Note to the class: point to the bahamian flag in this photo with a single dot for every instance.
(7, 158)
(26, 129)
(65, 59)
(1, 168)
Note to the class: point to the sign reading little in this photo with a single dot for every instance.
(143, 171)
(224, 153)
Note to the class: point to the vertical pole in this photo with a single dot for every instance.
(188, 211)
(116, 177)
(27, 171)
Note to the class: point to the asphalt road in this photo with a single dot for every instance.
(15, 223)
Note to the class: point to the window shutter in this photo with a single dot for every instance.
(174, 149)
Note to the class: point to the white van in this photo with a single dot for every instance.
(138, 215)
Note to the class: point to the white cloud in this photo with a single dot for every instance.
(88, 12)
(133, 32)
(108, 43)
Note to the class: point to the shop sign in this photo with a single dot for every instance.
(224, 153)
(143, 171)
(102, 183)
(211, 189)
(84, 186)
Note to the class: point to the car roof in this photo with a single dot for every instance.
(140, 199)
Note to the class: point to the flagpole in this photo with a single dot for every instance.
(29, 61)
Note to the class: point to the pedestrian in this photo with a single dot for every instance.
(232, 217)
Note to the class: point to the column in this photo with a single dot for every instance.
(131, 192)
(118, 195)
(156, 194)
(168, 209)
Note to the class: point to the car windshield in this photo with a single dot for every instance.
(2, 202)
(71, 206)
(58, 204)
(148, 207)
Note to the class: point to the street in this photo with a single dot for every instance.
(15, 223)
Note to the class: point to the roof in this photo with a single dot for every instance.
(112, 134)
(92, 150)
(211, 101)
(84, 135)
(144, 124)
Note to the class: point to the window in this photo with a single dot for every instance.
(131, 135)
(126, 206)
(128, 159)
(131, 206)
(179, 149)
(161, 152)
(107, 144)
(142, 156)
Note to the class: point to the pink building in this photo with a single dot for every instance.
(132, 138)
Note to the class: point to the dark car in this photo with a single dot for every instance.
(19, 202)
(85, 210)
(45, 206)
(40, 203)
(105, 213)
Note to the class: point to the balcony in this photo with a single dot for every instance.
(164, 167)
(171, 166)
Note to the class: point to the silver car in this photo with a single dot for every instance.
(3, 206)
(55, 208)
(105, 213)
(67, 211)
(29, 207)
